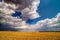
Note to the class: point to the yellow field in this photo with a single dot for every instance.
(29, 35)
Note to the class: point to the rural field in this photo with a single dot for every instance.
(5, 35)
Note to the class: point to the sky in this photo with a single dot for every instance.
(31, 15)
(48, 9)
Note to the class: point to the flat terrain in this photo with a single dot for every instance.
(29, 35)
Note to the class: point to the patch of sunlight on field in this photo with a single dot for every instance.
(29, 35)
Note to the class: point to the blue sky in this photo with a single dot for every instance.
(47, 9)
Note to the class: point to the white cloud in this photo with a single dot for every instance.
(52, 24)
(27, 7)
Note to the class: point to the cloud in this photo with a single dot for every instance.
(47, 24)
(28, 9)
(6, 27)
(52, 24)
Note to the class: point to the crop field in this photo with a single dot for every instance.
(5, 35)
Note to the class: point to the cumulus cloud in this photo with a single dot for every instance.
(52, 24)
(28, 9)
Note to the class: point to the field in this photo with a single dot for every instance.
(29, 35)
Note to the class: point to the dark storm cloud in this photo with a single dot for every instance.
(6, 27)
(13, 1)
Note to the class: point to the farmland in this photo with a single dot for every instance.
(5, 35)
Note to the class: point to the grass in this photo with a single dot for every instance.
(5, 35)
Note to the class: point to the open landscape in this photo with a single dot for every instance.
(29, 35)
